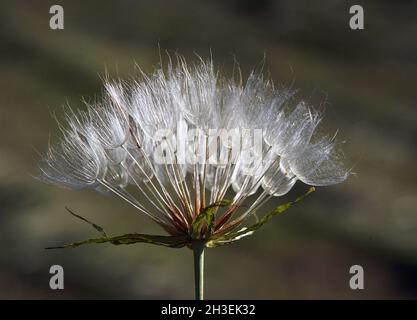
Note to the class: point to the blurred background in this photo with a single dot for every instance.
(366, 79)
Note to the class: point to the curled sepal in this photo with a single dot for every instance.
(131, 238)
(247, 231)
(95, 226)
(207, 214)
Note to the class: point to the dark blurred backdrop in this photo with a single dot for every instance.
(366, 79)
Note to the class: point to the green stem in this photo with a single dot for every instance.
(198, 250)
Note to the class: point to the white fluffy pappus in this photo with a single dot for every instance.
(115, 145)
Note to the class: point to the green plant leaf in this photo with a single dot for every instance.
(131, 238)
(207, 214)
(247, 231)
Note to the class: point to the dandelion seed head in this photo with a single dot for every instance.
(184, 137)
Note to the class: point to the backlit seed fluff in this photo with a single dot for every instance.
(179, 139)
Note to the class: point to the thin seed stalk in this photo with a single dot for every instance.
(198, 251)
